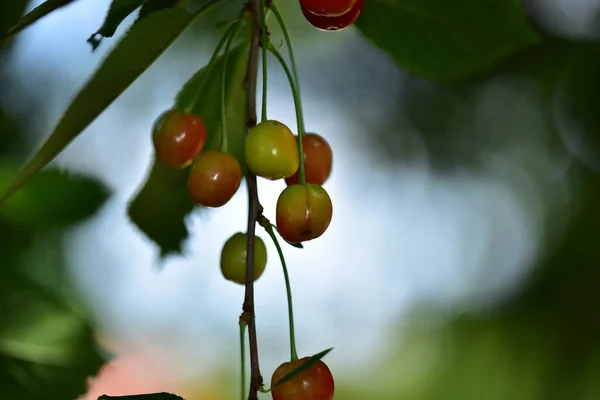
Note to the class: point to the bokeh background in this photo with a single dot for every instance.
(462, 259)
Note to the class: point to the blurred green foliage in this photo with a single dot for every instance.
(47, 348)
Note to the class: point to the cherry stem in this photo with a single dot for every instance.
(297, 95)
(266, 224)
(254, 207)
(298, 105)
(243, 325)
(211, 65)
(224, 141)
(263, 45)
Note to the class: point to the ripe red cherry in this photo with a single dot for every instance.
(327, 8)
(328, 23)
(315, 383)
(303, 212)
(214, 178)
(178, 137)
(317, 160)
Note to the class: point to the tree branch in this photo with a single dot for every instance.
(254, 207)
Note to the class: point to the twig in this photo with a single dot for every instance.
(254, 207)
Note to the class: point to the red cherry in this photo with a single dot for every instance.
(178, 137)
(327, 23)
(315, 383)
(214, 178)
(317, 160)
(327, 8)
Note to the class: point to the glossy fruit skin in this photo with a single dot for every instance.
(318, 160)
(178, 137)
(326, 23)
(303, 212)
(328, 8)
(233, 258)
(272, 150)
(214, 178)
(315, 383)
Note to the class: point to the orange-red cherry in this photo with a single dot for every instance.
(178, 137)
(214, 178)
(315, 383)
(328, 8)
(318, 159)
(336, 23)
(303, 212)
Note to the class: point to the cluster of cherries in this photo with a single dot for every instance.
(303, 210)
(331, 15)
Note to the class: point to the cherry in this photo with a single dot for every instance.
(315, 383)
(303, 212)
(214, 178)
(233, 258)
(317, 160)
(327, 8)
(328, 23)
(272, 150)
(178, 137)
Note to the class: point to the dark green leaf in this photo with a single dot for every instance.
(142, 45)
(45, 346)
(303, 367)
(445, 39)
(118, 11)
(154, 396)
(152, 6)
(160, 208)
(36, 14)
(53, 199)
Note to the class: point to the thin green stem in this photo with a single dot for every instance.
(263, 45)
(266, 224)
(211, 66)
(298, 105)
(230, 39)
(243, 325)
(300, 117)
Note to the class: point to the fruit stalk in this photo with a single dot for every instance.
(297, 94)
(254, 207)
(265, 223)
(299, 112)
(230, 39)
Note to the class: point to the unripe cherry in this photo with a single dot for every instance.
(338, 23)
(327, 8)
(177, 138)
(234, 255)
(214, 178)
(315, 383)
(318, 159)
(272, 150)
(303, 212)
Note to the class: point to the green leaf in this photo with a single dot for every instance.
(45, 347)
(153, 396)
(36, 14)
(160, 208)
(142, 45)
(312, 361)
(53, 199)
(445, 39)
(152, 6)
(118, 11)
